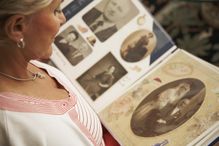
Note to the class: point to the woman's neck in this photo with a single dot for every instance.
(13, 63)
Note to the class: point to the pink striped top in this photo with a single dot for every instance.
(74, 108)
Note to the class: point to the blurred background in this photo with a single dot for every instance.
(193, 25)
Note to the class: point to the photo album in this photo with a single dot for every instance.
(146, 90)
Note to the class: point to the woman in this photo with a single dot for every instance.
(38, 105)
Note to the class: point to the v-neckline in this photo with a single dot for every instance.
(23, 103)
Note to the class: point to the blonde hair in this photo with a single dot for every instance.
(25, 7)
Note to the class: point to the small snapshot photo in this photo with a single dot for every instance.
(100, 77)
(168, 107)
(72, 45)
(138, 45)
(107, 17)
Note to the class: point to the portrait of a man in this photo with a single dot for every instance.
(109, 16)
(168, 107)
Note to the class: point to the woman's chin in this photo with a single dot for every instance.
(47, 54)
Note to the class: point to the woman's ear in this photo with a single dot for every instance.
(14, 27)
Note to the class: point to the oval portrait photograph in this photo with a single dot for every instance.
(168, 107)
(138, 45)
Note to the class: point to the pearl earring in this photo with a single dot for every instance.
(21, 43)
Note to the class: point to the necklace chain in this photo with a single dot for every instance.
(34, 76)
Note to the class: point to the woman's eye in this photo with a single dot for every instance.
(58, 10)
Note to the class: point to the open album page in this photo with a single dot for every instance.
(107, 45)
(173, 105)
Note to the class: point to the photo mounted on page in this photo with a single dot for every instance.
(109, 16)
(100, 77)
(168, 107)
(138, 45)
(72, 45)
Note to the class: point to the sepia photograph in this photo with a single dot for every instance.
(138, 45)
(109, 16)
(72, 45)
(168, 107)
(163, 106)
(101, 76)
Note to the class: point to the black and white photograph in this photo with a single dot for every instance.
(138, 45)
(101, 76)
(72, 45)
(168, 107)
(107, 17)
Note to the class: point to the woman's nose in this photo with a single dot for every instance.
(62, 18)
